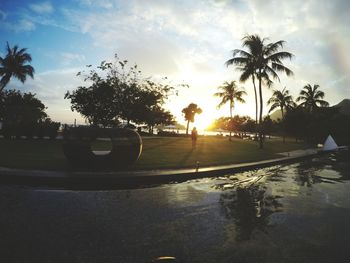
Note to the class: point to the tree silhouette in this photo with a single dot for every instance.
(312, 98)
(262, 61)
(22, 114)
(14, 65)
(117, 91)
(281, 99)
(245, 63)
(229, 92)
(190, 111)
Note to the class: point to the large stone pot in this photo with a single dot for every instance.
(126, 147)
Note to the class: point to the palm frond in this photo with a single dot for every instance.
(271, 71)
(322, 103)
(282, 68)
(239, 61)
(319, 94)
(277, 57)
(241, 53)
(274, 106)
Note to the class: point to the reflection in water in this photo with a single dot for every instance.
(249, 208)
(306, 174)
(249, 199)
(321, 169)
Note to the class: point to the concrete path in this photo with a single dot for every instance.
(131, 178)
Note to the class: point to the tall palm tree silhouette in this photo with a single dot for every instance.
(190, 111)
(244, 60)
(229, 92)
(311, 98)
(261, 61)
(14, 65)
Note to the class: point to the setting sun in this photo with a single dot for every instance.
(203, 121)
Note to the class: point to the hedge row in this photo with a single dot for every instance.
(30, 130)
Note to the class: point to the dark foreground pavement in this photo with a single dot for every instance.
(296, 212)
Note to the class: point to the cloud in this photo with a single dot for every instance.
(23, 25)
(69, 58)
(190, 40)
(101, 3)
(3, 15)
(42, 8)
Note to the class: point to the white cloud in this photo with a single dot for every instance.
(190, 41)
(69, 58)
(42, 8)
(100, 3)
(23, 25)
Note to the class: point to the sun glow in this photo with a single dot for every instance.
(202, 121)
(210, 113)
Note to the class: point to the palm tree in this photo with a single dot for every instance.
(281, 99)
(14, 65)
(312, 98)
(190, 111)
(244, 60)
(230, 93)
(262, 61)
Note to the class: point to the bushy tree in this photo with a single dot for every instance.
(314, 127)
(20, 107)
(96, 103)
(237, 124)
(116, 92)
(23, 114)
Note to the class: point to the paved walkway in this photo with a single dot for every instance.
(126, 178)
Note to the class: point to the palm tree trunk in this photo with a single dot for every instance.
(188, 125)
(4, 81)
(261, 143)
(284, 137)
(230, 119)
(256, 104)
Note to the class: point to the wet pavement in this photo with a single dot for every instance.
(286, 213)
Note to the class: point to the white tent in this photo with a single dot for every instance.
(330, 144)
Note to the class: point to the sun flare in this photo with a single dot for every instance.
(202, 121)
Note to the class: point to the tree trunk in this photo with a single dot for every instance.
(284, 137)
(230, 119)
(188, 125)
(256, 105)
(261, 140)
(4, 81)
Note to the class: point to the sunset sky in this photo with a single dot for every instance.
(187, 41)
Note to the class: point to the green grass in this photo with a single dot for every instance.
(157, 152)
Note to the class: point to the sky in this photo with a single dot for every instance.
(185, 41)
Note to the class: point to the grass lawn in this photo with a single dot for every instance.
(157, 152)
